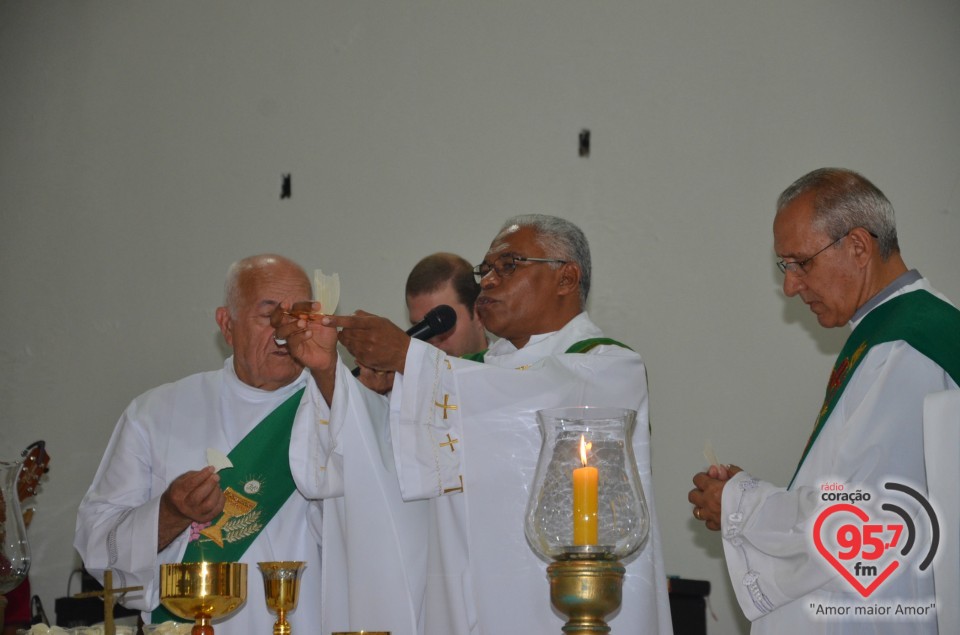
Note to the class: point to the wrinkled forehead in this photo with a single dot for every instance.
(513, 239)
(270, 285)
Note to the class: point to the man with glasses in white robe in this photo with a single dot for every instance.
(835, 235)
(429, 489)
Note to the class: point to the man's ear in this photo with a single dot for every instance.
(864, 245)
(225, 322)
(569, 279)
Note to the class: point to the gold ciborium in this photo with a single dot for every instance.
(281, 586)
(203, 591)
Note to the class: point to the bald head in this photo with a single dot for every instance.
(255, 287)
(253, 270)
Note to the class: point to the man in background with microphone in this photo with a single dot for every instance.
(439, 279)
(428, 490)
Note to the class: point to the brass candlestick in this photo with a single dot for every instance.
(586, 525)
(203, 591)
(586, 591)
(281, 587)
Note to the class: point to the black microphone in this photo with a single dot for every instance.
(437, 321)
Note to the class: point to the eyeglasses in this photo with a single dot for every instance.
(505, 265)
(799, 267)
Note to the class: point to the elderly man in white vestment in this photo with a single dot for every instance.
(835, 235)
(154, 496)
(429, 489)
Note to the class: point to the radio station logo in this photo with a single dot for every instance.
(868, 538)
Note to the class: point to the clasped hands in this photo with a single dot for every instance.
(708, 492)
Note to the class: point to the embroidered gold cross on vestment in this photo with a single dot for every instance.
(445, 405)
(450, 442)
(450, 490)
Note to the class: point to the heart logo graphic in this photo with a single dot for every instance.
(853, 543)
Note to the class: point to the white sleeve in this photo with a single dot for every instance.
(117, 519)
(418, 430)
(316, 452)
(767, 545)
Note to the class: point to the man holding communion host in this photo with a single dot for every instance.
(456, 447)
(440, 279)
(154, 498)
(835, 235)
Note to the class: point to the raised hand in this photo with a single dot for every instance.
(308, 341)
(374, 341)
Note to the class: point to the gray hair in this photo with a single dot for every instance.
(560, 239)
(844, 200)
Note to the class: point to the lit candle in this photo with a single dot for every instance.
(585, 495)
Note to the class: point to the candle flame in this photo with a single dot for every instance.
(584, 446)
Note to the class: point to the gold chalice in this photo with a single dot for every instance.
(236, 505)
(203, 591)
(281, 586)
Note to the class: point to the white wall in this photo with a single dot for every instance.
(142, 147)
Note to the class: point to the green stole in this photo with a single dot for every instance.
(919, 318)
(256, 487)
(577, 347)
